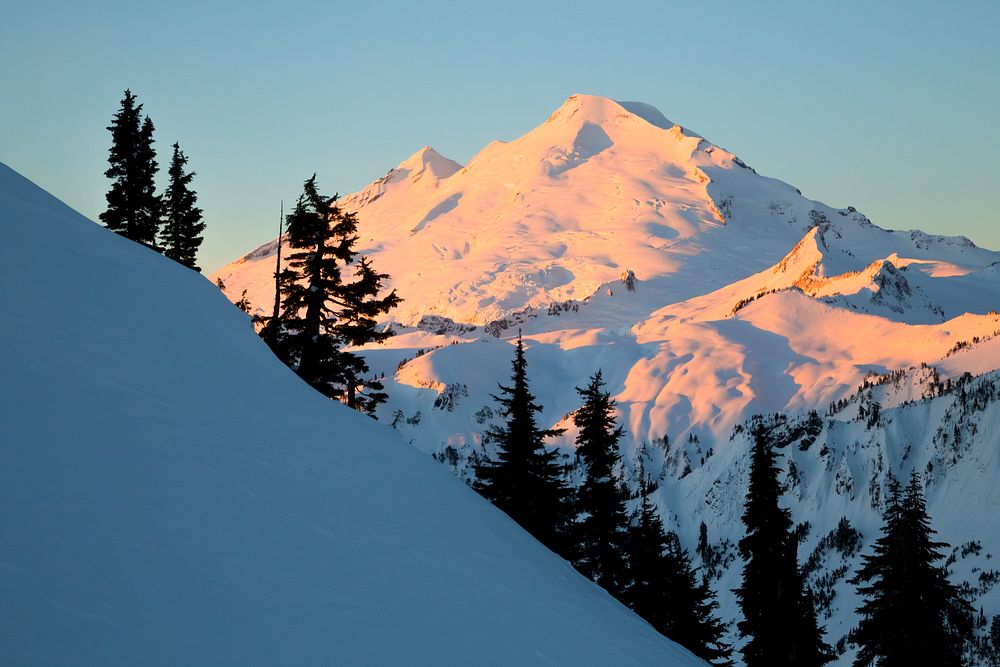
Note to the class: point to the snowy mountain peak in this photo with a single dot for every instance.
(599, 189)
(427, 161)
(604, 111)
(807, 255)
(593, 123)
(421, 171)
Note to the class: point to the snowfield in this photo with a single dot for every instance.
(749, 299)
(172, 494)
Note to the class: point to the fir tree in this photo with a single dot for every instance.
(704, 549)
(809, 647)
(646, 546)
(912, 614)
(778, 620)
(665, 590)
(182, 223)
(525, 481)
(134, 209)
(602, 521)
(322, 313)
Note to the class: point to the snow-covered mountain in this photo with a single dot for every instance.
(172, 494)
(599, 188)
(747, 298)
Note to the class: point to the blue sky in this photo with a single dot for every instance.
(892, 108)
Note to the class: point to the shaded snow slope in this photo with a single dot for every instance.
(171, 494)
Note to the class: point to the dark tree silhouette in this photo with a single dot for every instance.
(322, 313)
(525, 481)
(664, 589)
(912, 614)
(182, 222)
(134, 209)
(602, 519)
(778, 622)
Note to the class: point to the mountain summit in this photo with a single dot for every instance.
(598, 189)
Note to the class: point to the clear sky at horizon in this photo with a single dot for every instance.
(891, 107)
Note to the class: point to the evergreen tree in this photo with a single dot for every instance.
(779, 622)
(912, 614)
(809, 647)
(525, 481)
(182, 223)
(322, 313)
(602, 521)
(134, 209)
(665, 590)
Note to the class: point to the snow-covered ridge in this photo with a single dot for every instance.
(172, 494)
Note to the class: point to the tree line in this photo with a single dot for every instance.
(911, 614)
(170, 223)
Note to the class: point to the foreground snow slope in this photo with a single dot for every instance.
(171, 494)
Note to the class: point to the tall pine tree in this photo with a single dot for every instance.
(134, 209)
(778, 620)
(182, 223)
(911, 615)
(525, 480)
(322, 313)
(602, 520)
(665, 590)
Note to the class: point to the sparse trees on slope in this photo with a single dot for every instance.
(322, 313)
(525, 481)
(182, 222)
(602, 520)
(912, 614)
(664, 589)
(778, 620)
(134, 209)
